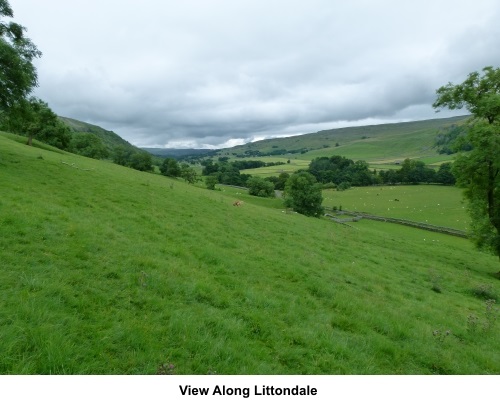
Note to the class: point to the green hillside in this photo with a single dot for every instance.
(108, 270)
(109, 138)
(377, 144)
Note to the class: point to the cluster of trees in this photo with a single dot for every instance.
(171, 168)
(274, 152)
(224, 172)
(138, 160)
(253, 164)
(279, 181)
(343, 173)
(415, 171)
(33, 118)
(451, 139)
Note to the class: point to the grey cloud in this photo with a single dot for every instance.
(215, 72)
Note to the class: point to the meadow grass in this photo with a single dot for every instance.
(431, 204)
(106, 270)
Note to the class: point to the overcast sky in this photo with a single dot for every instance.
(215, 73)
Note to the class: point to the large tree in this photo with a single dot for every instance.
(303, 194)
(479, 170)
(18, 75)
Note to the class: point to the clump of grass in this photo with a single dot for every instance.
(435, 281)
(484, 291)
(472, 323)
(440, 336)
(489, 321)
(491, 315)
(166, 368)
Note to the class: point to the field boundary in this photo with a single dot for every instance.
(357, 215)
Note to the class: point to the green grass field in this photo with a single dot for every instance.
(435, 205)
(106, 270)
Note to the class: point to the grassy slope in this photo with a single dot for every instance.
(380, 145)
(109, 138)
(417, 137)
(110, 270)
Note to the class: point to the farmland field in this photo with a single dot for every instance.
(436, 205)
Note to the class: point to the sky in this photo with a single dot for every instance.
(217, 73)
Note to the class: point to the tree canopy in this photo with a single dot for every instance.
(33, 117)
(478, 171)
(479, 94)
(303, 194)
(18, 75)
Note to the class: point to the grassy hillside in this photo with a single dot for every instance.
(383, 146)
(177, 153)
(110, 270)
(109, 138)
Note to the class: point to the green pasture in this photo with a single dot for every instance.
(373, 143)
(292, 167)
(384, 146)
(107, 270)
(436, 205)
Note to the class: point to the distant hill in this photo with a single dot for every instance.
(110, 139)
(373, 143)
(178, 153)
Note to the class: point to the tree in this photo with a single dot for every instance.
(303, 194)
(210, 182)
(478, 94)
(18, 75)
(141, 161)
(87, 144)
(260, 187)
(444, 175)
(282, 179)
(478, 171)
(188, 173)
(121, 155)
(170, 168)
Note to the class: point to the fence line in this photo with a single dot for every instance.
(428, 227)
